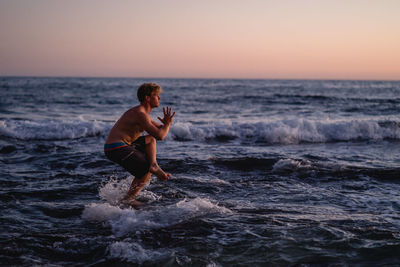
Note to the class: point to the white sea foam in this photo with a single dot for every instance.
(272, 132)
(205, 180)
(292, 131)
(128, 220)
(101, 212)
(52, 129)
(125, 220)
(131, 251)
(290, 165)
(115, 189)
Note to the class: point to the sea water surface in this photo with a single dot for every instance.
(265, 172)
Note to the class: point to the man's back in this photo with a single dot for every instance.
(128, 128)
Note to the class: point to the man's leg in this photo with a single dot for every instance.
(151, 153)
(136, 185)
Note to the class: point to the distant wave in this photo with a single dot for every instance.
(290, 131)
(305, 168)
(293, 131)
(52, 129)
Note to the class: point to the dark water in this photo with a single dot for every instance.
(266, 172)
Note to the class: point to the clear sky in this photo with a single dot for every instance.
(320, 39)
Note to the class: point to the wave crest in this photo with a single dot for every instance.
(290, 131)
(52, 129)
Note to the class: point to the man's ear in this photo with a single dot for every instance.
(146, 98)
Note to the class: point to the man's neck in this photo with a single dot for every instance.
(146, 106)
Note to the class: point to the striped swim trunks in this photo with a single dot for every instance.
(112, 146)
(131, 157)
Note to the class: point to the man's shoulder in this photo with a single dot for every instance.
(137, 112)
(134, 110)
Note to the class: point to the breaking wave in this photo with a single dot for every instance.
(293, 131)
(290, 131)
(52, 129)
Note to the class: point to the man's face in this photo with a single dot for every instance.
(155, 99)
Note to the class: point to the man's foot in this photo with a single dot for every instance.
(132, 203)
(157, 171)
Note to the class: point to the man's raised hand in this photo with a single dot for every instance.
(168, 116)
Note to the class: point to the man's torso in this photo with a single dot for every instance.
(127, 129)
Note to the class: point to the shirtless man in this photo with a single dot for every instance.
(136, 153)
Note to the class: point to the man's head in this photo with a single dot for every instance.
(148, 89)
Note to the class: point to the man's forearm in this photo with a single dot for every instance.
(164, 129)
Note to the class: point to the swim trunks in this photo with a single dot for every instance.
(131, 157)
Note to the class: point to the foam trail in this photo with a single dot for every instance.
(205, 180)
(133, 252)
(124, 221)
(115, 189)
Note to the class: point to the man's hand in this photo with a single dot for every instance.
(168, 116)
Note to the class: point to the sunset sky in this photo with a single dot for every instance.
(325, 39)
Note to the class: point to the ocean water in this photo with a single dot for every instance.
(265, 172)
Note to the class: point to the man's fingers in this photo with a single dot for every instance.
(167, 112)
(162, 120)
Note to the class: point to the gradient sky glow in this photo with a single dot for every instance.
(320, 39)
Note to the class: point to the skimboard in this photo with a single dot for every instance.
(137, 205)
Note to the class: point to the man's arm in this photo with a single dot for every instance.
(156, 124)
(156, 130)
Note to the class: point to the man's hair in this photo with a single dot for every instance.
(147, 89)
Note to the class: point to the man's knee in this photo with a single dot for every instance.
(150, 140)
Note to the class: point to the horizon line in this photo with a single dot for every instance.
(193, 78)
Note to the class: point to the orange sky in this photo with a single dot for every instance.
(324, 39)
